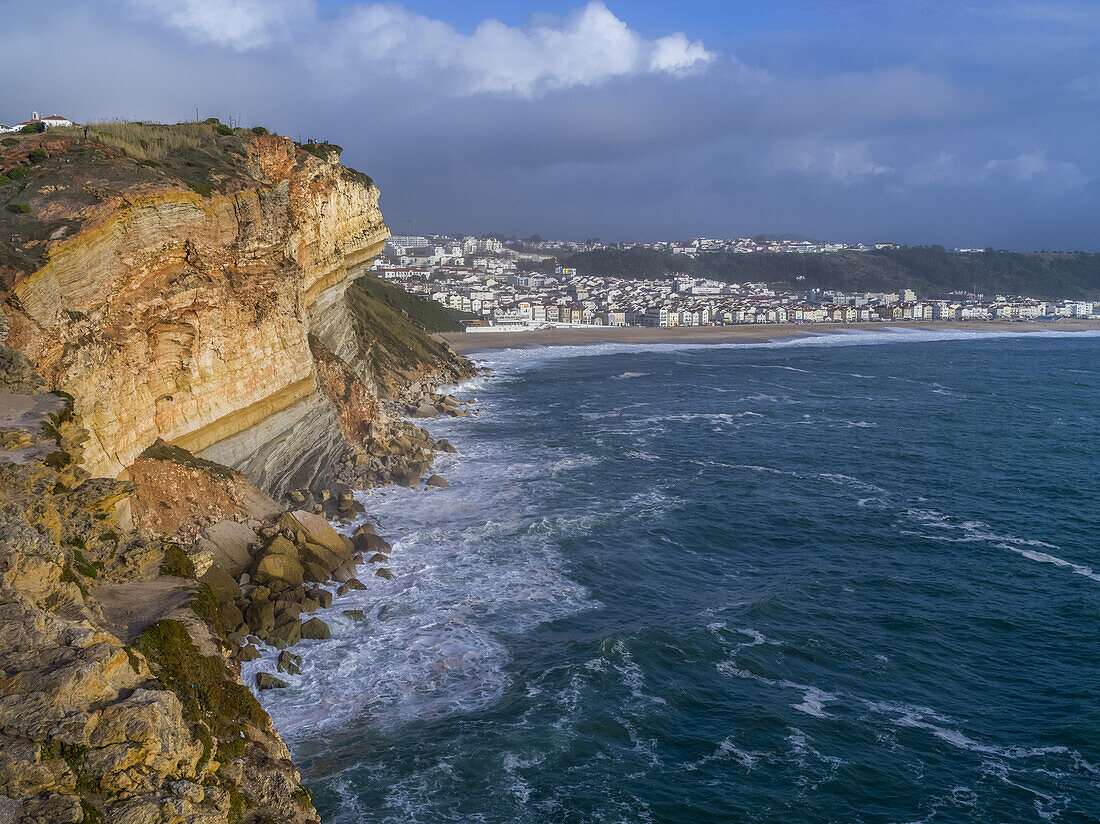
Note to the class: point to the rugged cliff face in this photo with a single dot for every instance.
(189, 318)
(182, 358)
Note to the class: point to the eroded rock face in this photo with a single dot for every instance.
(96, 725)
(173, 316)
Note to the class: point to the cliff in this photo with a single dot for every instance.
(182, 360)
(195, 312)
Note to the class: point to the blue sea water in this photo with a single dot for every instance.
(837, 579)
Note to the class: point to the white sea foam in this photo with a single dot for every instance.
(511, 361)
(952, 530)
(472, 565)
(627, 375)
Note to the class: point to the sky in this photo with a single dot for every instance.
(970, 123)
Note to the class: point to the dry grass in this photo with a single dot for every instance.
(147, 141)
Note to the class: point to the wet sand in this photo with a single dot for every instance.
(466, 342)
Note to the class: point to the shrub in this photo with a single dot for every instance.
(19, 208)
(152, 164)
(222, 129)
(322, 150)
(9, 141)
(4, 180)
(17, 172)
(258, 130)
(204, 189)
(33, 128)
(38, 155)
(176, 562)
(204, 684)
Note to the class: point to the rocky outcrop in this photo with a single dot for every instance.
(117, 702)
(210, 361)
(216, 323)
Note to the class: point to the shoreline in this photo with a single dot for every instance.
(465, 343)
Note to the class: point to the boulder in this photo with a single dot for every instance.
(260, 594)
(222, 584)
(319, 531)
(426, 410)
(233, 544)
(437, 481)
(230, 616)
(289, 663)
(379, 558)
(260, 616)
(315, 572)
(267, 681)
(280, 568)
(377, 544)
(349, 585)
(248, 653)
(444, 445)
(308, 605)
(354, 614)
(316, 629)
(407, 478)
(322, 597)
(285, 635)
(281, 546)
(383, 572)
(286, 611)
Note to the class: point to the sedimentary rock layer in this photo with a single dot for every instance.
(187, 318)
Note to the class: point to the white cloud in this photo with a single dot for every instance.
(239, 24)
(584, 48)
(844, 162)
(1037, 166)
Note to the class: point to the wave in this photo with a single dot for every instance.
(513, 361)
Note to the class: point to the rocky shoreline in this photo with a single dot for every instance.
(125, 620)
(193, 383)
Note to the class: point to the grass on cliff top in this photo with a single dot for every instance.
(393, 330)
(422, 312)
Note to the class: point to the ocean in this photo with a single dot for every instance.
(843, 578)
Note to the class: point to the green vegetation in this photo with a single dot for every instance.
(38, 155)
(393, 327)
(19, 208)
(203, 189)
(74, 756)
(207, 689)
(161, 451)
(33, 128)
(427, 314)
(9, 141)
(176, 562)
(931, 271)
(259, 130)
(91, 814)
(205, 605)
(321, 150)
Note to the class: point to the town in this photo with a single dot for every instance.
(503, 289)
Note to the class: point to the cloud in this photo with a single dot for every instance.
(840, 162)
(1037, 166)
(239, 24)
(586, 47)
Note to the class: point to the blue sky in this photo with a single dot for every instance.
(967, 123)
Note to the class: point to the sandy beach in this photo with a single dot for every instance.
(466, 342)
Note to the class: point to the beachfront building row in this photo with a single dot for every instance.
(506, 296)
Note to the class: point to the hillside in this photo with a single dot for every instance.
(931, 271)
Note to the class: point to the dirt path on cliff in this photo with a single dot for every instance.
(130, 608)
